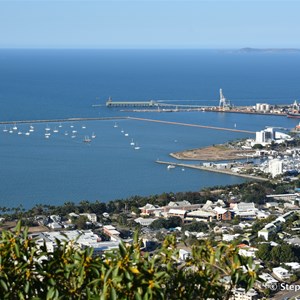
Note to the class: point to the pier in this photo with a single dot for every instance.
(110, 103)
(210, 169)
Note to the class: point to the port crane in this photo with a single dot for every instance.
(224, 103)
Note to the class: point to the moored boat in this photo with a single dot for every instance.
(293, 114)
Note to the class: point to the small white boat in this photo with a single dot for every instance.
(74, 131)
(93, 136)
(47, 136)
(116, 125)
(132, 142)
(170, 167)
(47, 128)
(27, 133)
(137, 148)
(20, 132)
(66, 133)
(60, 126)
(10, 130)
(72, 126)
(5, 129)
(15, 127)
(31, 130)
(83, 127)
(122, 131)
(73, 136)
(126, 134)
(31, 127)
(86, 139)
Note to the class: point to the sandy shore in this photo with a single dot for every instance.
(212, 153)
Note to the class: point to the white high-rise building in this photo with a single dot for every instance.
(275, 167)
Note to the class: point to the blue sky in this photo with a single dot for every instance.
(149, 24)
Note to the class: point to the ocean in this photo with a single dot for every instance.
(56, 84)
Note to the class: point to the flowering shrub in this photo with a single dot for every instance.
(30, 272)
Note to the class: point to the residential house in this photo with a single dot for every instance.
(242, 294)
(281, 273)
(144, 221)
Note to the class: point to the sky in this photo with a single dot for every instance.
(121, 24)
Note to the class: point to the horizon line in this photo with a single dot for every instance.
(150, 48)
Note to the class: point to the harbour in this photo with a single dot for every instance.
(35, 169)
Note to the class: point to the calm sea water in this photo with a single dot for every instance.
(46, 84)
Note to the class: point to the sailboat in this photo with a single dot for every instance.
(116, 125)
(132, 142)
(137, 147)
(93, 135)
(5, 129)
(86, 139)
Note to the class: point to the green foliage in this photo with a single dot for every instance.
(80, 222)
(258, 146)
(195, 226)
(29, 272)
(283, 253)
(171, 222)
(263, 252)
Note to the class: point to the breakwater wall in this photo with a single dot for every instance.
(191, 125)
(61, 120)
(210, 169)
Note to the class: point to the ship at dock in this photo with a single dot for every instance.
(294, 112)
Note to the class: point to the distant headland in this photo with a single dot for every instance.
(269, 50)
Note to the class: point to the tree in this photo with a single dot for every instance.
(195, 226)
(258, 146)
(80, 222)
(263, 252)
(283, 253)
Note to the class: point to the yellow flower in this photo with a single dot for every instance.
(134, 270)
(151, 284)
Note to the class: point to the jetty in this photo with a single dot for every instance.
(210, 169)
(111, 103)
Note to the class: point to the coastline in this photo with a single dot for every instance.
(212, 153)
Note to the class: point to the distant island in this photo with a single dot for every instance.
(269, 50)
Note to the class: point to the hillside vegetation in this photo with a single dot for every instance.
(30, 272)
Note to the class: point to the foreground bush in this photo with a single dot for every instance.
(29, 272)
